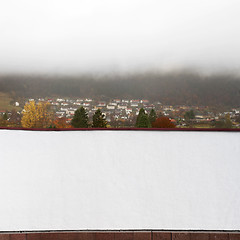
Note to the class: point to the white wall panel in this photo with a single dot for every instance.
(77, 180)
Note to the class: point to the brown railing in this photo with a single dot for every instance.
(127, 129)
(122, 235)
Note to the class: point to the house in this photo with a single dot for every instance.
(128, 111)
(113, 103)
(86, 104)
(135, 101)
(60, 100)
(110, 107)
(144, 101)
(77, 103)
(122, 106)
(101, 104)
(64, 104)
(134, 104)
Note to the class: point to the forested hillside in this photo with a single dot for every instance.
(172, 88)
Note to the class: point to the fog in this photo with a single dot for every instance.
(75, 36)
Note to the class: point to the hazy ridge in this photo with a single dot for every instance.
(169, 88)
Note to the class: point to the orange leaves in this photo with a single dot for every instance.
(61, 123)
(163, 122)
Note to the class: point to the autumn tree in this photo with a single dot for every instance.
(152, 116)
(163, 122)
(80, 118)
(37, 115)
(142, 119)
(224, 123)
(61, 123)
(99, 120)
(228, 121)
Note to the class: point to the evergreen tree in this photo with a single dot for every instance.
(189, 115)
(142, 120)
(152, 116)
(99, 120)
(141, 112)
(80, 118)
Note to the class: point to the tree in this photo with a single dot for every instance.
(36, 115)
(163, 122)
(140, 113)
(224, 123)
(61, 123)
(228, 122)
(80, 118)
(237, 119)
(99, 120)
(15, 119)
(189, 115)
(5, 116)
(152, 116)
(3, 122)
(142, 120)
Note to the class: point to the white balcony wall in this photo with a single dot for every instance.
(79, 180)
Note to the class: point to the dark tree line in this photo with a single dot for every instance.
(81, 120)
(183, 88)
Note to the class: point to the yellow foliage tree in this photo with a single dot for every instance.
(36, 115)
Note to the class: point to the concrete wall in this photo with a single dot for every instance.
(103, 180)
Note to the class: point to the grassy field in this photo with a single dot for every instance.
(5, 103)
(202, 125)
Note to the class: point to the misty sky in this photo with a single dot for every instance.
(71, 36)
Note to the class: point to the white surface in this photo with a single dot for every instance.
(119, 180)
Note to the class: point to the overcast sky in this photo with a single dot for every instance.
(71, 36)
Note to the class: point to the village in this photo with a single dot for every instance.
(123, 112)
